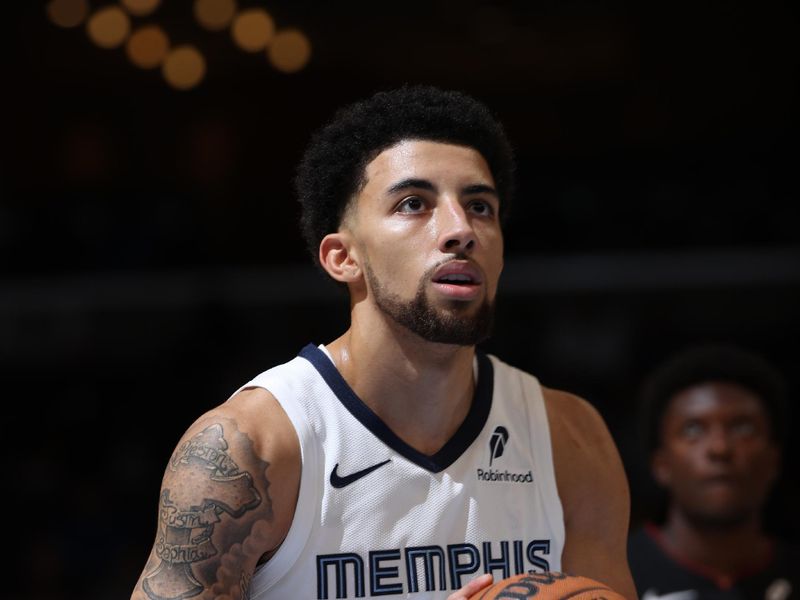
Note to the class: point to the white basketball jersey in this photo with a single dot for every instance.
(375, 517)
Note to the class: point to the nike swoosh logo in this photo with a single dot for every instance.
(682, 595)
(338, 481)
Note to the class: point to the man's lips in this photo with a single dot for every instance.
(458, 280)
(458, 272)
(722, 479)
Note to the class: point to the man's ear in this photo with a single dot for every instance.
(339, 258)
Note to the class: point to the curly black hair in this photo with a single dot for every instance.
(712, 362)
(332, 169)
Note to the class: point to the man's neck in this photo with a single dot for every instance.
(421, 390)
(727, 551)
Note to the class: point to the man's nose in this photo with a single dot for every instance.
(719, 443)
(456, 233)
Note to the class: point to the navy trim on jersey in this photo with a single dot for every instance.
(455, 446)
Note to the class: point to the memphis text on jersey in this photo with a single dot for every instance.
(424, 568)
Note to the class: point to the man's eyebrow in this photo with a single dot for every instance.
(424, 184)
(409, 183)
(480, 188)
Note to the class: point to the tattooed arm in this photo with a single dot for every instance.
(227, 500)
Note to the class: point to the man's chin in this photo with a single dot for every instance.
(462, 325)
(458, 310)
(712, 518)
(435, 318)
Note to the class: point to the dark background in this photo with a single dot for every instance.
(151, 263)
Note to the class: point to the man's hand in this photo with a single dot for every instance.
(473, 587)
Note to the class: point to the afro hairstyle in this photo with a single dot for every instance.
(705, 363)
(332, 169)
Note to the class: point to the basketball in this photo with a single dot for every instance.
(547, 586)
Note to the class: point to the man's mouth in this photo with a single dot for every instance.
(458, 280)
(458, 272)
(721, 479)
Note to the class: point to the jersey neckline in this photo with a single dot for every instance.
(455, 446)
(722, 581)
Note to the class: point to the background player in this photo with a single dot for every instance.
(715, 419)
(396, 459)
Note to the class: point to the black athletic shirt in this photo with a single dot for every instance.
(661, 575)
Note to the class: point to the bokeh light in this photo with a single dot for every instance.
(147, 47)
(184, 67)
(253, 29)
(140, 8)
(109, 27)
(68, 13)
(214, 15)
(290, 50)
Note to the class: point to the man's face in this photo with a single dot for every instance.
(716, 459)
(427, 234)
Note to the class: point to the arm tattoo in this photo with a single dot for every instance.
(245, 585)
(207, 488)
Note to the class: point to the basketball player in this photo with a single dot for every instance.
(395, 460)
(715, 417)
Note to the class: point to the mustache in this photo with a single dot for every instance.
(459, 256)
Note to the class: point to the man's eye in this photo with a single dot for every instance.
(743, 428)
(692, 429)
(482, 208)
(411, 204)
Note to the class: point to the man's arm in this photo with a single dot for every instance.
(594, 493)
(227, 500)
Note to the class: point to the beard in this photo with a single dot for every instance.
(440, 326)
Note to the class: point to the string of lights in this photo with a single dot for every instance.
(183, 66)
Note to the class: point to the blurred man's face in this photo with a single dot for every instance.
(716, 459)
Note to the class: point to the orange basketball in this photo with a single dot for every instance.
(547, 586)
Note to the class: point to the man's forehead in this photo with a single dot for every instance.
(712, 396)
(423, 158)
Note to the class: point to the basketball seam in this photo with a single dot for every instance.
(588, 589)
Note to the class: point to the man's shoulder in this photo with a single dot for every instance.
(287, 375)
(255, 410)
(562, 402)
(570, 400)
(563, 407)
(508, 378)
(575, 418)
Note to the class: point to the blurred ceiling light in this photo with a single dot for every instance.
(214, 14)
(253, 29)
(290, 50)
(68, 13)
(147, 47)
(140, 8)
(184, 67)
(109, 27)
